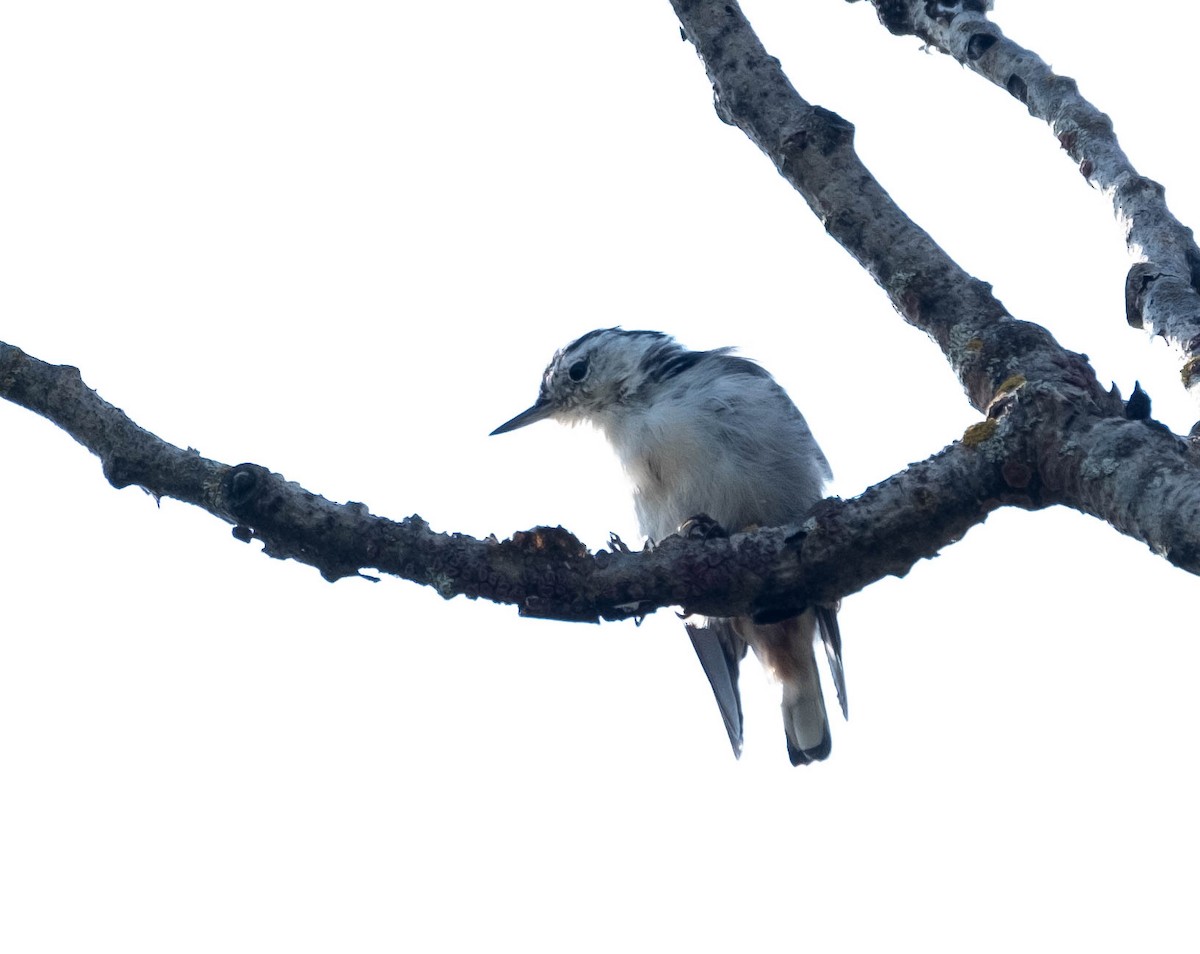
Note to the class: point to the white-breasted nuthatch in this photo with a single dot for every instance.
(707, 433)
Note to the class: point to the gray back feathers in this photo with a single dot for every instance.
(697, 431)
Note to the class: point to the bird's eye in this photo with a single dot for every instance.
(578, 371)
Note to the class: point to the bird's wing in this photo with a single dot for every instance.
(719, 650)
(831, 636)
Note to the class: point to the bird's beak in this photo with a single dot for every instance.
(541, 410)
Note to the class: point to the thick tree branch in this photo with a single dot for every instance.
(1161, 287)
(842, 547)
(813, 150)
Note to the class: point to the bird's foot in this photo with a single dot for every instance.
(702, 527)
(616, 544)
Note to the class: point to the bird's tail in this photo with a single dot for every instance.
(719, 651)
(787, 650)
(805, 722)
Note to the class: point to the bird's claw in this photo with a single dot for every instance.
(616, 544)
(702, 527)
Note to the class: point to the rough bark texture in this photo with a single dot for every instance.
(1050, 433)
(1161, 288)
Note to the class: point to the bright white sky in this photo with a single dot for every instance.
(343, 241)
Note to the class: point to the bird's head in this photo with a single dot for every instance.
(595, 375)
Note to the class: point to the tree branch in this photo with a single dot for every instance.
(842, 547)
(813, 150)
(1161, 287)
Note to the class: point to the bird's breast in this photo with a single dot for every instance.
(675, 477)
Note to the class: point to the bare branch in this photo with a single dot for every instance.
(1161, 287)
(813, 150)
(1100, 466)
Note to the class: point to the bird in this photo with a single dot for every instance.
(711, 444)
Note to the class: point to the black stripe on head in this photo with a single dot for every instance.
(732, 364)
(668, 360)
(584, 339)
